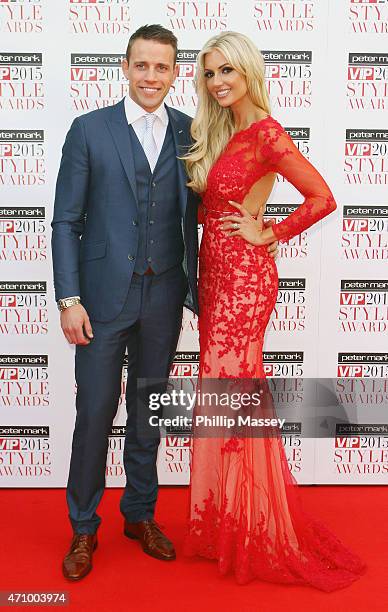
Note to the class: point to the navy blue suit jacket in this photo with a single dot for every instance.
(93, 239)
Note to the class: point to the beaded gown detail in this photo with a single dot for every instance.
(244, 508)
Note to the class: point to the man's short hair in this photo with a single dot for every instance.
(154, 32)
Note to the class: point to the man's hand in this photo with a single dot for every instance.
(273, 248)
(75, 325)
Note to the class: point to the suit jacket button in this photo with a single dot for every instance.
(134, 222)
(131, 257)
(152, 222)
(153, 184)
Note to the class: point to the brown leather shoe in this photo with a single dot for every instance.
(153, 541)
(78, 561)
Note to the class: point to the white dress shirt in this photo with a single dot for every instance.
(135, 115)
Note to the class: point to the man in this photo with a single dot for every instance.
(125, 258)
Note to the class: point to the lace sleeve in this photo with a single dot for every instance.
(277, 150)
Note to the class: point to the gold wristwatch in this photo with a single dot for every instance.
(67, 302)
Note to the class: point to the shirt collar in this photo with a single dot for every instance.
(133, 111)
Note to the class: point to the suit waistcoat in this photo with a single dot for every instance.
(159, 220)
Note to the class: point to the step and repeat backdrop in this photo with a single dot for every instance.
(327, 76)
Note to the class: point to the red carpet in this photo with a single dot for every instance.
(36, 534)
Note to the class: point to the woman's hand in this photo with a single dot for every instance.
(273, 247)
(247, 227)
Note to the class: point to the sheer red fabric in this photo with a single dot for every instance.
(244, 508)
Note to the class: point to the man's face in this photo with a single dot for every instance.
(150, 72)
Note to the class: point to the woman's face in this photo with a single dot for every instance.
(224, 83)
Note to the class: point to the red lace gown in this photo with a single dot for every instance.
(244, 509)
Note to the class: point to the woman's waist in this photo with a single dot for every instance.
(215, 213)
(219, 213)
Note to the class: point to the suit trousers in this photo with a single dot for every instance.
(148, 327)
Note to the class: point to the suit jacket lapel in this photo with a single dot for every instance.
(118, 127)
(181, 142)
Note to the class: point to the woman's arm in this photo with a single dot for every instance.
(276, 149)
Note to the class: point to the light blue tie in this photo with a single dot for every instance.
(149, 144)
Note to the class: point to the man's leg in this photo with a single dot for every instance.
(158, 334)
(98, 376)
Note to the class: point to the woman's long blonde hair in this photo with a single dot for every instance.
(213, 125)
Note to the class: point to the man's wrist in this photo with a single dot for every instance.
(67, 302)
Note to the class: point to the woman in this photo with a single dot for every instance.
(244, 511)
